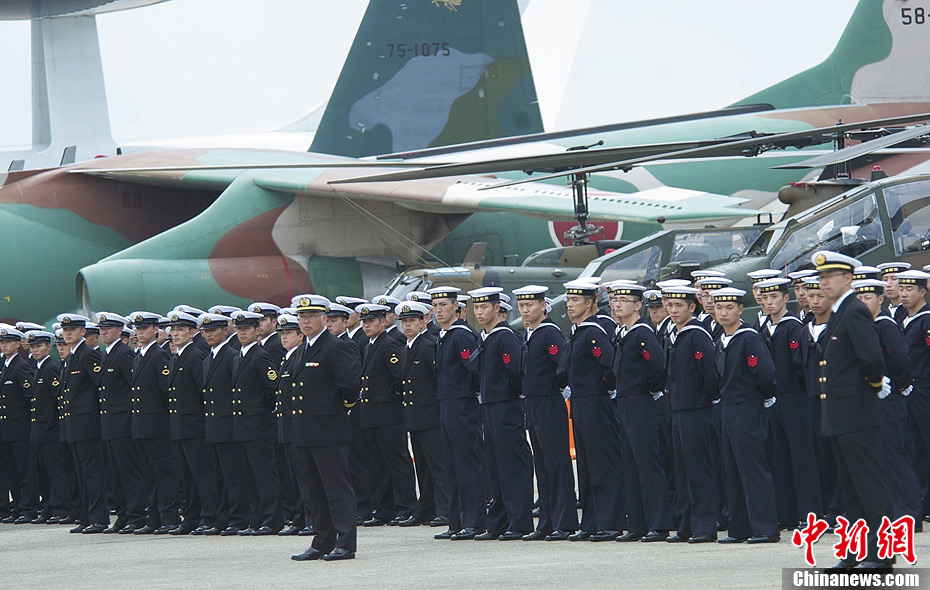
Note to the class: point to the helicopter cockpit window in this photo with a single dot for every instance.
(709, 247)
(852, 230)
(405, 284)
(909, 212)
(642, 267)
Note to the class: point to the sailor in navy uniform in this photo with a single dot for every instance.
(794, 459)
(382, 420)
(255, 377)
(80, 423)
(43, 433)
(339, 322)
(460, 419)
(815, 328)
(16, 455)
(325, 381)
(421, 414)
(912, 285)
(889, 273)
(390, 316)
(218, 425)
(74, 494)
(125, 476)
(587, 369)
(426, 299)
(92, 334)
(661, 323)
(896, 461)
(758, 276)
(186, 426)
(639, 366)
(692, 389)
(149, 391)
(747, 383)
(199, 341)
(851, 377)
(496, 362)
(228, 310)
(803, 310)
(547, 418)
(705, 287)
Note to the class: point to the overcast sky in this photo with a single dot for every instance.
(198, 67)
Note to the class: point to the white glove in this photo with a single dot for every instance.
(907, 392)
(886, 388)
(769, 402)
(567, 392)
(612, 393)
(716, 401)
(656, 395)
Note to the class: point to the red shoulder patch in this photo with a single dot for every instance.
(646, 354)
(465, 354)
(596, 351)
(927, 340)
(752, 361)
(553, 349)
(793, 345)
(698, 354)
(506, 358)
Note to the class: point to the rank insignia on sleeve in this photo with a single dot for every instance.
(793, 345)
(596, 351)
(698, 354)
(752, 361)
(553, 349)
(394, 360)
(646, 354)
(505, 358)
(465, 354)
(272, 375)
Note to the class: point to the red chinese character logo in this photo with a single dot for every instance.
(852, 539)
(897, 538)
(809, 535)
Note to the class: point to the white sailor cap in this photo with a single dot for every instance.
(714, 283)
(144, 318)
(866, 272)
(447, 291)
(652, 298)
(39, 336)
(370, 311)
(110, 319)
(530, 292)
(350, 302)
(26, 327)
(246, 319)
(208, 321)
(485, 294)
(913, 277)
(888, 268)
(91, 328)
(266, 309)
(728, 294)
(581, 287)
(288, 311)
(812, 283)
(669, 283)
(706, 273)
(826, 260)
(624, 288)
(72, 320)
(386, 300)
(686, 293)
(337, 311)
(763, 274)
(226, 310)
(412, 309)
(421, 296)
(288, 322)
(773, 285)
(506, 307)
(11, 334)
(799, 275)
(310, 302)
(179, 318)
(869, 286)
(189, 309)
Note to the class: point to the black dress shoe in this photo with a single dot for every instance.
(397, 520)
(127, 530)
(212, 531)
(309, 555)
(67, 520)
(165, 529)
(53, 520)
(675, 539)
(229, 531)
(199, 530)
(559, 535)
(511, 536)
(307, 531)
(410, 521)
(773, 538)
(180, 530)
(39, 520)
(875, 565)
(339, 554)
(840, 566)
(702, 538)
(445, 534)
(78, 529)
(93, 529)
(730, 540)
(630, 536)
(580, 536)
(486, 536)
(535, 536)
(8, 520)
(440, 521)
(23, 520)
(291, 530)
(604, 536)
(263, 531)
(654, 536)
(374, 521)
(146, 530)
(467, 534)
(246, 532)
(110, 530)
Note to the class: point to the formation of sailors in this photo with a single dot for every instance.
(686, 421)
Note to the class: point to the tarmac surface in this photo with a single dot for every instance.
(48, 557)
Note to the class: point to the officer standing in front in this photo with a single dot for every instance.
(326, 381)
(851, 375)
(15, 454)
(547, 418)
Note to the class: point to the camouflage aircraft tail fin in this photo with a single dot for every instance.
(880, 58)
(426, 73)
